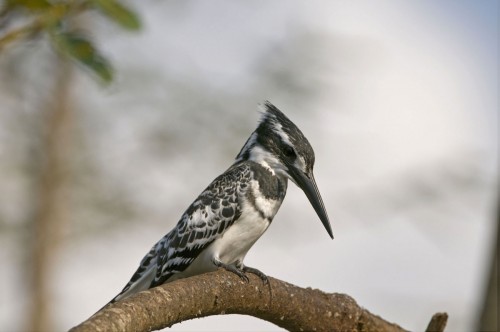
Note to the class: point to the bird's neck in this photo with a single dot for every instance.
(267, 190)
(258, 154)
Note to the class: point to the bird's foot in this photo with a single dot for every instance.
(258, 273)
(232, 268)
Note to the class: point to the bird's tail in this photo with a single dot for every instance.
(141, 280)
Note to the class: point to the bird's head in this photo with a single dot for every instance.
(278, 145)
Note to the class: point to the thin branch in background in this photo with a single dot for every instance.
(51, 201)
(488, 317)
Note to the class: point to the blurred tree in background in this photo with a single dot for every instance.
(92, 174)
(62, 25)
(29, 19)
(59, 172)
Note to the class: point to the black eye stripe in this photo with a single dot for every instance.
(289, 151)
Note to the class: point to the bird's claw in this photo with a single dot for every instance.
(241, 270)
(231, 268)
(258, 273)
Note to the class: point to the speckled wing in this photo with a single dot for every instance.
(204, 221)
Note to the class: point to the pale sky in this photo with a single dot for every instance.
(405, 136)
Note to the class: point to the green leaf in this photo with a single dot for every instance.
(29, 4)
(118, 13)
(81, 49)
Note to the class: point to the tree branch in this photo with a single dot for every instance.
(221, 292)
(438, 322)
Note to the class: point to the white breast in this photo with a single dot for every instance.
(240, 237)
(231, 247)
(237, 240)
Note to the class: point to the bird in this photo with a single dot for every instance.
(230, 215)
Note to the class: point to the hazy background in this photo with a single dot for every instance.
(399, 100)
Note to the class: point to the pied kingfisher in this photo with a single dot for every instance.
(231, 214)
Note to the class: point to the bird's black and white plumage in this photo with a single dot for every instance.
(231, 214)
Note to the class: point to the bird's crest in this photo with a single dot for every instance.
(274, 131)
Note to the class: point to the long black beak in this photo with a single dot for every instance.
(307, 183)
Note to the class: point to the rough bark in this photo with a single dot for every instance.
(221, 292)
(438, 322)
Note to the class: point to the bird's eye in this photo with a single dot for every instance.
(289, 152)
